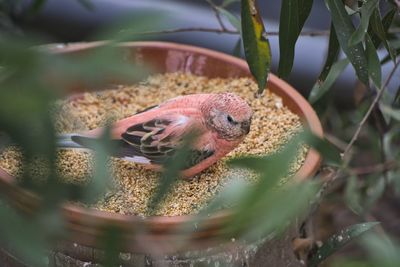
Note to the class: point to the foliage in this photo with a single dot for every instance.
(358, 29)
(255, 42)
(384, 251)
(339, 240)
(294, 14)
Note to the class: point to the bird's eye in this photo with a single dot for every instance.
(230, 120)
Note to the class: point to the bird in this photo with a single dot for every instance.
(220, 122)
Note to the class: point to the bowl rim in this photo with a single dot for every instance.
(77, 215)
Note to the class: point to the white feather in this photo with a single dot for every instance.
(182, 120)
(138, 159)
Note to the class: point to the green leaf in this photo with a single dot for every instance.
(233, 20)
(394, 178)
(387, 58)
(256, 45)
(288, 34)
(173, 166)
(339, 240)
(351, 11)
(268, 217)
(392, 112)
(388, 18)
(293, 15)
(366, 11)
(328, 151)
(36, 7)
(374, 191)
(382, 251)
(226, 3)
(87, 4)
(333, 53)
(374, 64)
(380, 28)
(321, 88)
(102, 65)
(352, 195)
(389, 139)
(270, 164)
(344, 29)
(259, 211)
(111, 242)
(230, 196)
(19, 233)
(271, 168)
(396, 99)
(101, 179)
(238, 48)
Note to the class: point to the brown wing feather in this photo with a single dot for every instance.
(158, 140)
(142, 138)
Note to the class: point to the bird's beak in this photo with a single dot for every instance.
(245, 127)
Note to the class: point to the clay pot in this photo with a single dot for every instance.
(85, 226)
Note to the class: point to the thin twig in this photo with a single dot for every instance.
(341, 145)
(217, 14)
(328, 176)
(227, 31)
(366, 116)
(191, 29)
(381, 167)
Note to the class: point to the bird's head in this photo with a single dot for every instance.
(228, 115)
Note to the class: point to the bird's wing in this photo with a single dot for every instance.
(156, 140)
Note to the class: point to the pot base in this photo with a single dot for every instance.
(275, 252)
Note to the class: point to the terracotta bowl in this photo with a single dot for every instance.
(85, 226)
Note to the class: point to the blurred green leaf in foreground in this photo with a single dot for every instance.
(339, 240)
(268, 206)
(31, 79)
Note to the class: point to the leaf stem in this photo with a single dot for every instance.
(370, 109)
(227, 31)
(378, 168)
(217, 14)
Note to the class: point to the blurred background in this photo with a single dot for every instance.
(70, 21)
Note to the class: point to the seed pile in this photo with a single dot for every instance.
(272, 125)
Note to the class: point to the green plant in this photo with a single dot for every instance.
(26, 97)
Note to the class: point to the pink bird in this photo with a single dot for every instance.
(220, 122)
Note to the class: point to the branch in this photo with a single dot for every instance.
(381, 167)
(227, 31)
(328, 176)
(339, 144)
(217, 14)
(366, 116)
(191, 29)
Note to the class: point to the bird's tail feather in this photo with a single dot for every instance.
(122, 149)
(78, 141)
(69, 141)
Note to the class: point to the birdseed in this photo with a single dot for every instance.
(272, 125)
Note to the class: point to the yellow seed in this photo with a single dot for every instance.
(272, 126)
